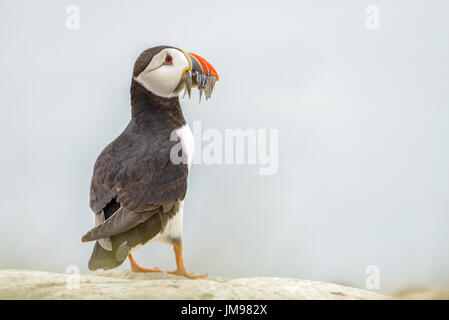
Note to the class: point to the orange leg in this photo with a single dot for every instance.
(180, 269)
(138, 268)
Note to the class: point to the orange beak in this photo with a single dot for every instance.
(205, 66)
(200, 74)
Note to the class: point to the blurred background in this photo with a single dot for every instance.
(362, 116)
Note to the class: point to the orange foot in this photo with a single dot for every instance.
(180, 269)
(137, 268)
(183, 272)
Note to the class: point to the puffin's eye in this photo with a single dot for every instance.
(168, 59)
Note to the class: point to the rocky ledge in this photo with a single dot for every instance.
(124, 284)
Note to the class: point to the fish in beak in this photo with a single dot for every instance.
(200, 74)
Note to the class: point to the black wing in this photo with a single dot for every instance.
(136, 172)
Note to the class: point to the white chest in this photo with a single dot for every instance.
(185, 136)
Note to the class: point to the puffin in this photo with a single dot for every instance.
(139, 180)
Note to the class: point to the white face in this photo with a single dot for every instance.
(163, 74)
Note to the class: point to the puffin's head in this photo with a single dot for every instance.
(165, 71)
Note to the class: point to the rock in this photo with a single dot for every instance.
(124, 284)
(425, 294)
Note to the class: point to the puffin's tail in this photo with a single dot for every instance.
(123, 243)
(103, 259)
